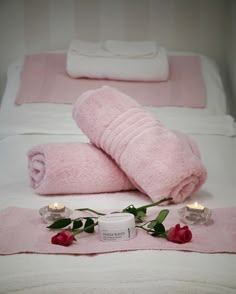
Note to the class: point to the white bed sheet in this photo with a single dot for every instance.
(39, 113)
(63, 123)
(127, 272)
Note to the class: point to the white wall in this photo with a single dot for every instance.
(28, 26)
(230, 56)
(11, 35)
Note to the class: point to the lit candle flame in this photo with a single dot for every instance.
(196, 206)
(56, 207)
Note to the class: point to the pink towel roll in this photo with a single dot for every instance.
(157, 161)
(67, 168)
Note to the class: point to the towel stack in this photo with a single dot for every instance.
(130, 149)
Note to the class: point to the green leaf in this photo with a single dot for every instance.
(139, 218)
(159, 229)
(61, 223)
(162, 215)
(77, 224)
(140, 214)
(89, 225)
(152, 224)
(159, 219)
(143, 210)
(130, 209)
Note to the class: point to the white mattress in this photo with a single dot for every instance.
(136, 272)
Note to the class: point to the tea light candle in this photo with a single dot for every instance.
(54, 212)
(195, 207)
(194, 214)
(56, 207)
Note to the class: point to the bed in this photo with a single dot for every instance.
(135, 271)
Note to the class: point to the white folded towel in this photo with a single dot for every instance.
(133, 61)
(84, 48)
(131, 49)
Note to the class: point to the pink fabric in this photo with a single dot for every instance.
(157, 161)
(44, 79)
(23, 231)
(66, 168)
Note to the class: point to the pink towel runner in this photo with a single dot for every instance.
(44, 79)
(23, 231)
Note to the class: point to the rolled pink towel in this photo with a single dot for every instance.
(157, 161)
(67, 168)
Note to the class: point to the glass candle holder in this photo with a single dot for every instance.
(54, 212)
(194, 214)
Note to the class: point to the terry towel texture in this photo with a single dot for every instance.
(157, 161)
(67, 168)
(117, 60)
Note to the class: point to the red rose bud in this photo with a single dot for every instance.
(63, 238)
(179, 235)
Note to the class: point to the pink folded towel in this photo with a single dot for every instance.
(157, 161)
(67, 168)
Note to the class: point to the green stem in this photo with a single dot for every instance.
(78, 231)
(141, 207)
(84, 217)
(91, 210)
(145, 224)
(155, 203)
(145, 229)
(163, 235)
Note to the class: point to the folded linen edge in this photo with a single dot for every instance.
(112, 48)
